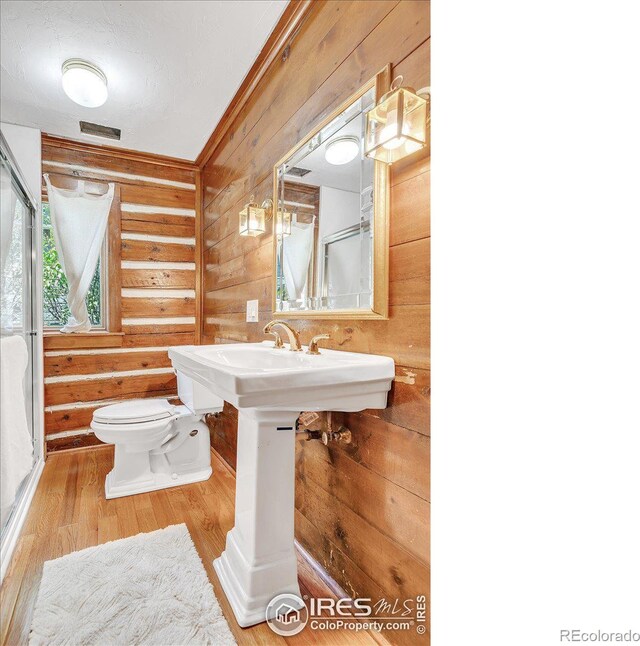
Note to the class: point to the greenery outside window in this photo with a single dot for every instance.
(55, 287)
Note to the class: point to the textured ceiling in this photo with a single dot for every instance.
(172, 67)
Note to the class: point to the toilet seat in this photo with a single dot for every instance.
(136, 411)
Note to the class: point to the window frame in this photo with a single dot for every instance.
(112, 335)
(104, 279)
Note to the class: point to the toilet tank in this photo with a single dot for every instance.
(196, 397)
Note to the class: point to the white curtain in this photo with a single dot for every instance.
(8, 200)
(79, 221)
(297, 254)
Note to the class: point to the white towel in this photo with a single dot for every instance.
(16, 447)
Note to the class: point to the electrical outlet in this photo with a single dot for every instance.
(252, 311)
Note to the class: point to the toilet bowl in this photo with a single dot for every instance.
(157, 445)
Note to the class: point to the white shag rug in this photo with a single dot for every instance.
(149, 589)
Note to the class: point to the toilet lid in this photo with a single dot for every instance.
(136, 410)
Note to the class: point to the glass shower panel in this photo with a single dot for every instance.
(16, 275)
(13, 277)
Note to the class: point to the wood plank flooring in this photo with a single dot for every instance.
(69, 512)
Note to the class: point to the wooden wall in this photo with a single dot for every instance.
(361, 510)
(152, 287)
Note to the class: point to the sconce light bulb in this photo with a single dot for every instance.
(390, 129)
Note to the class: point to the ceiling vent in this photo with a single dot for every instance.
(99, 131)
(298, 172)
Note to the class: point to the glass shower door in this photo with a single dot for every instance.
(16, 317)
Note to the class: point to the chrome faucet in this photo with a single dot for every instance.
(294, 338)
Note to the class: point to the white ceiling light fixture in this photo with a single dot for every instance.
(342, 150)
(84, 83)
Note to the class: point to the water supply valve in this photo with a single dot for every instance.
(343, 434)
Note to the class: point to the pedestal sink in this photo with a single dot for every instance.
(270, 387)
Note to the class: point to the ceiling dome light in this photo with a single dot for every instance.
(84, 83)
(342, 150)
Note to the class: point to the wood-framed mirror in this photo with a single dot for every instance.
(331, 219)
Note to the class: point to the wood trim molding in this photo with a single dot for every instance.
(336, 589)
(113, 151)
(290, 21)
(199, 296)
(225, 464)
(114, 265)
(77, 449)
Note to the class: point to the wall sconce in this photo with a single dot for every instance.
(253, 218)
(397, 125)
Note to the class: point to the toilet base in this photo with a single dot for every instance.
(157, 481)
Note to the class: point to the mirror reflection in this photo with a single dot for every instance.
(324, 219)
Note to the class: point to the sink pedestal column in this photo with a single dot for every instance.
(259, 561)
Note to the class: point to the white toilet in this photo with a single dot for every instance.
(157, 445)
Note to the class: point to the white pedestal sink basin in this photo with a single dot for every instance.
(270, 388)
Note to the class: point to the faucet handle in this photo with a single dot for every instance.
(313, 344)
(278, 345)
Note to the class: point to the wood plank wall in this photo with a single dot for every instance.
(157, 276)
(362, 510)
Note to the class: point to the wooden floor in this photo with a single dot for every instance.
(69, 512)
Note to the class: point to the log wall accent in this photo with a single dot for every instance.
(362, 510)
(157, 275)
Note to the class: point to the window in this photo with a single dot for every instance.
(55, 287)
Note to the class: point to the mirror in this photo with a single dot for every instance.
(331, 251)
